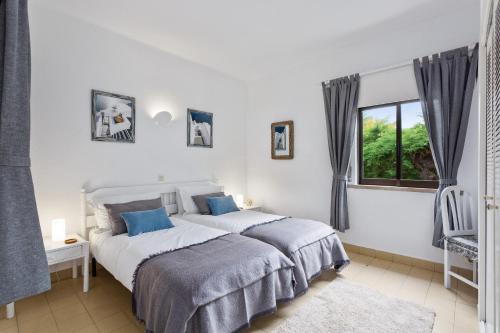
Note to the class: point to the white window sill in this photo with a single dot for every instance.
(392, 188)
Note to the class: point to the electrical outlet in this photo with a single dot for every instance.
(161, 178)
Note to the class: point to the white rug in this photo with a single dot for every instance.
(346, 307)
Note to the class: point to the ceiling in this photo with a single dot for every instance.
(253, 38)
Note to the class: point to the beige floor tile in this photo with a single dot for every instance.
(438, 291)
(10, 330)
(445, 310)
(130, 328)
(414, 289)
(88, 329)
(63, 301)
(421, 273)
(104, 311)
(390, 284)
(69, 311)
(45, 323)
(442, 326)
(113, 322)
(74, 323)
(8, 323)
(369, 276)
(31, 313)
(466, 328)
(412, 296)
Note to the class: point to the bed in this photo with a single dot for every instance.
(188, 278)
(311, 245)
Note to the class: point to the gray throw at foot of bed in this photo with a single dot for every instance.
(311, 245)
(215, 286)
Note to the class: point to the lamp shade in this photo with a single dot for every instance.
(58, 230)
(240, 200)
(162, 118)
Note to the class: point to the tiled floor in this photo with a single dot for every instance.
(107, 306)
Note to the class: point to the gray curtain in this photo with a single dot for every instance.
(23, 264)
(445, 85)
(341, 103)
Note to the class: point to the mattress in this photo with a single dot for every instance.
(121, 254)
(236, 222)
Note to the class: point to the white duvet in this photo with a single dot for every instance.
(121, 254)
(235, 222)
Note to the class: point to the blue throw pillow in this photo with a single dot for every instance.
(146, 221)
(222, 205)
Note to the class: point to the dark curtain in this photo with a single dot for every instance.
(23, 263)
(445, 85)
(341, 103)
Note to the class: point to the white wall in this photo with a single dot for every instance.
(399, 222)
(69, 58)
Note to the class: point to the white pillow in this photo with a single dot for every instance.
(101, 217)
(186, 204)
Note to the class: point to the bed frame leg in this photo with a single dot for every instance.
(94, 267)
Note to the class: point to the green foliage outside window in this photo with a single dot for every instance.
(379, 151)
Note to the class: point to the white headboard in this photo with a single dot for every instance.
(166, 191)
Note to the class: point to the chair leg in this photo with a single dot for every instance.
(447, 266)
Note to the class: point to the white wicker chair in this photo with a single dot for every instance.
(460, 232)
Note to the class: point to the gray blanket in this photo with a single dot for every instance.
(311, 245)
(170, 287)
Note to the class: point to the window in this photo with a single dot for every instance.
(394, 147)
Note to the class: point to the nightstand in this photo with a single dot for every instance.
(59, 252)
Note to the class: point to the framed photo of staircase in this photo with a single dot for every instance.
(199, 128)
(113, 117)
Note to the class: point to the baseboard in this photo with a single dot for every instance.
(410, 261)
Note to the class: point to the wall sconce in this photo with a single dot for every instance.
(58, 230)
(162, 118)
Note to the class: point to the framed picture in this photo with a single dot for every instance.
(199, 128)
(282, 140)
(113, 117)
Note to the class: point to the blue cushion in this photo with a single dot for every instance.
(146, 221)
(222, 205)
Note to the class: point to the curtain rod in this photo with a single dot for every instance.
(391, 67)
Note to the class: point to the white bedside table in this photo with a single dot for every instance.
(58, 252)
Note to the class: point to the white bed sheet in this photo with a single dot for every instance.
(235, 222)
(121, 254)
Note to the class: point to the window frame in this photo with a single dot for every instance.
(397, 182)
